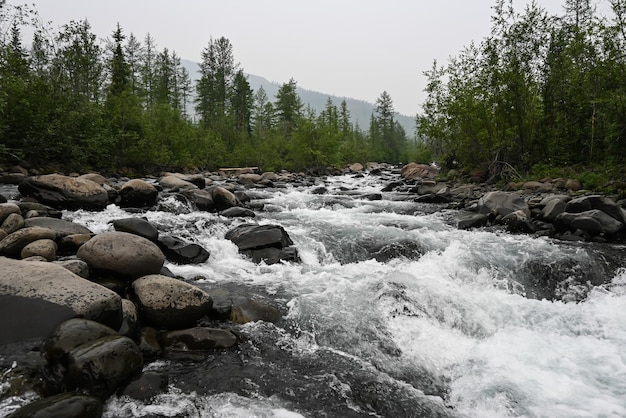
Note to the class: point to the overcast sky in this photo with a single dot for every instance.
(352, 48)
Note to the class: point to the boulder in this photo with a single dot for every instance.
(45, 248)
(170, 303)
(146, 386)
(103, 365)
(573, 185)
(356, 168)
(65, 192)
(552, 209)
(38, 296)
(137, 226)
(175, 182)
(471, 220)
(13, 244)
(596, 222)
(502, 203)
(414, 171)
(71, 243)
(602, 203)
(130, 318)
(202, 199)
(34, 209)
(244, 310)
(269, 243)
(71, 334)
(95, 177)
(61, 227)
(223, 199)
(8, 208)
(127, 254)
(66, 405)
(137, 193)
(238, 212)
(78, 267)
(181, 252)
(12, 223)
(198, 338)
(249, 178)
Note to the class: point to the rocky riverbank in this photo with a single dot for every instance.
(97, 306)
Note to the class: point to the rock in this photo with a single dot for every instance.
(12, 223)
(249, 178)
(12, 178)
(148, 341)
(30, 208)
(392, 186)
(573, 185)
(238, 212)
(66, 405)
(137, 226)
(202, 199)
(95, 177)
(71, 334)
(66, 192)
(596, 222)
(13, 244)
(244, 310)
(138, 194)
(103, 365)
(61, 227)
(146, 386)
(199, 338)
(174, 182)
(38, 296)
(130, 318)
(269, 176)
(252, 236)
(552, 209)
(319, 190)
(471, 220)
(501, 204)
(170, 303)
(604, 204)
(45, 248)
(356, 168)
(435, 198)
(8, 208)
(223, 199)
(181, 252)
(71, 243)
(413, 171)
(518, 222)
(271, 255)
(78, 267)
(120, 252)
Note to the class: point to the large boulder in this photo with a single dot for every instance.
(71, 334)
(414, 171)
(198, 338)
(137, 226)
(202, 199)
(269, 243)
(175, 182)
(166, 302)
(61, 227)
(13, 244)
(65, 192)
(45, 248)
(127, 254)
(66, 405)
(602, 203)
(223, 198)
(12, 223)
(6, 209)
(502, 203)
(138, 193)
(37, 296)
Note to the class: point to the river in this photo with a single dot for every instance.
(393, 312)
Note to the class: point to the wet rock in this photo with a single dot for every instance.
(238, 212)
(61, 227)
(148, 342)
(146, 386)
(130, 318)
(223, 199)
(471, 220)
(601, 203)
(138, 193)
(435, 198)
(12, 223)
(120, 252)
(319, 190)
(78, 267)
(34, 209)
(66, 405)
(244, 310)
(170, 303)
(198, 338)
(71, 243)
(45, 248)
(13, 244)
(174, 182)
(95, 177)
(66, 192)
(373, 196)
(392, 186)
(596, 222)
(501, 203)
(8, 208)
(71, 334)
(552, 209)
(103, 365)
(249, 178)
(181, 252)
(55, 285)
(137, 226)
(573, 185)
(269, 243)
(202, 199)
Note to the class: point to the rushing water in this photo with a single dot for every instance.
(394, 312)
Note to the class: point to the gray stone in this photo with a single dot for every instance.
(223, 199)
(71, 334)
(78, 267)
(66, 405)
(170, 303)
(120, 252)
(471, 220)
(501, 204)
(174, 182)
(13, 244)
(137, 226)
(6, 209)
(12, 223)
(138, 193)
(198, 338)
(552, 209)
(61, 227)
(66, 192)
(45, 248)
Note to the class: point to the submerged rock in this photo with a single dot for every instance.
(181, 252)
(198, 338)
(269, 243)
(66, 405)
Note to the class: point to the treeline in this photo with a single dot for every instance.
(72, 101)
(540, 90)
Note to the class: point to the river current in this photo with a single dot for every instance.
(394, 312)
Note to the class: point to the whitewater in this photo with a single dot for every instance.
(395, 312)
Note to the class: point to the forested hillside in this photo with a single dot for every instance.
(69, 100)
(541, 91)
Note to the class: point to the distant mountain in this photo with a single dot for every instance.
(360, 110)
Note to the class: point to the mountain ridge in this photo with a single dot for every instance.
(360, 110)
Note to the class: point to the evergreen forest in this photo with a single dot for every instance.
(540, 91)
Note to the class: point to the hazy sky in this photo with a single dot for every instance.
(352, 48)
